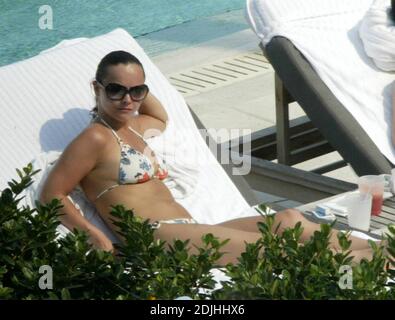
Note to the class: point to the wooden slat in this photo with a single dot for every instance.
(293, 184)
(282, 122)
(310, 152)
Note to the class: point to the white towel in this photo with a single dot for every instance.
(172, 147)
(377, 32)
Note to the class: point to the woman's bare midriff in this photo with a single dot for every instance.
(148, 200)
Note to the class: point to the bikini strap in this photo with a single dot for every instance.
(106, 190)
(113, 131)
(116, 135)
(134, 131)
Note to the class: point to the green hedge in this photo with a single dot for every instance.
(275, 267)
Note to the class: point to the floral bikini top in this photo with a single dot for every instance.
(134, 166)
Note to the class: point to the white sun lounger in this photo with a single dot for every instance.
(315, 49)
(45, 102)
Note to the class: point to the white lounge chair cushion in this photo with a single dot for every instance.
(377, 32)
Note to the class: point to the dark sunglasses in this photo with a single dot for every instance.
(116, 92)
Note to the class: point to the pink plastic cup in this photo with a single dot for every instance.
(375, 186)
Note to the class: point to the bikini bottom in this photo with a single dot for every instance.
(157, 224)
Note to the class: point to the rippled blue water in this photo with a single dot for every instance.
(21, 37)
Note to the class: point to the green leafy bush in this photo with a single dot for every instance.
(275, 267)
(144, 268)
(278, 267)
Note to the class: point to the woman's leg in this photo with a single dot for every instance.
(237, 239)
(288, 219)
(194, 232)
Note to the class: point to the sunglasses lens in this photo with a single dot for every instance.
(139, 93)
(115, 91)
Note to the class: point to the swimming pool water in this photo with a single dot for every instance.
(21, 36)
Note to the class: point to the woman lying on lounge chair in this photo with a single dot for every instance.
(113, 164)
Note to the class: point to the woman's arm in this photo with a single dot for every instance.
(152, 114)
(75, 163)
